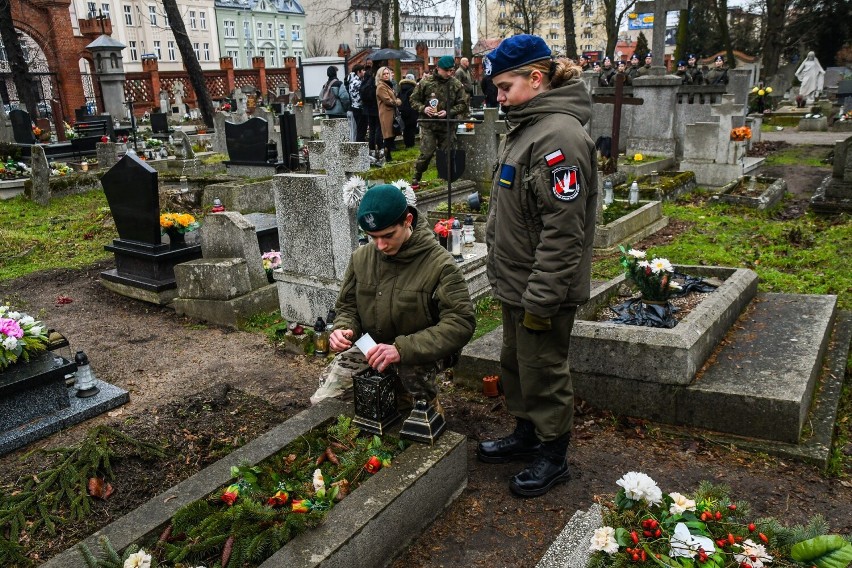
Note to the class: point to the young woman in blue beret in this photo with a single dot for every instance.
(540, 232)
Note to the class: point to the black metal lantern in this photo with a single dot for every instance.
(425, 424)
(375, 400)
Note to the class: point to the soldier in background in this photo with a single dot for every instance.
(621, 69)
(606, 77)
(645, 69)
(633, 70)
(693, 70)
(718, 75)
(681, 72)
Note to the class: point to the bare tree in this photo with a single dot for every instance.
(721, 7)
(190, 61)
(24, 81)
(525, 16)
(315, 47)
(615, 11)
(773, 40)
(467, 45)
(568, 24)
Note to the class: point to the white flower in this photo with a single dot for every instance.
(27, 320)
(685, 544)
(675, 286)
(638, 486)
(35, 330)
(643, 264)
(319, 481)
(661, 264)
(680, 504)
(604, 539)
(753, 554)
(3, 310)
(406, 190)
(138, 560)
(636, 253)
(14, 315)
(353, 190)
(10, 343)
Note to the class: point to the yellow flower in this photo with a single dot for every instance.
(761, 92)
(768, 89)
(754, 89)
(638, 157)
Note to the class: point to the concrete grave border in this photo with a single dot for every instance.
(664, 356)
(768, 197)
(367, 528)
(631, 228)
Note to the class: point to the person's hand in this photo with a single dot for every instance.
(442, 114)
(381, 356)
(429, 111)
(340, 340)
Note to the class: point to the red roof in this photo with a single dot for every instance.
(485, 45)
(745, 58)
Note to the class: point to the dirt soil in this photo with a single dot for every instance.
(201, 390)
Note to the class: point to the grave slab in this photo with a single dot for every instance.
(571, 547)
(232, 312)
(759, 384)
(770, 192)
(367, 528)
(630, 228)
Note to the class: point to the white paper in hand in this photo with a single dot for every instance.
(365, 344)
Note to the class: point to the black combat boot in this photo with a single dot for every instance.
(522, 444)
(549, 468)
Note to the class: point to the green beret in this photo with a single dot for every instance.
(447, 62)
(380, 207)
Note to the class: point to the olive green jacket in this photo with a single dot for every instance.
(450, 94)
(417, 299)
(541, 217)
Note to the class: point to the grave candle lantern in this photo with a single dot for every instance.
(320, 338)
(469, 236)
(456, 236)
(608, 196)
(634, 193)
(85, 378)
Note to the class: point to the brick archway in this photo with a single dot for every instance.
(48, 22)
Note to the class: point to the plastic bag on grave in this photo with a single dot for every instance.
(636, 312)
(691, 284)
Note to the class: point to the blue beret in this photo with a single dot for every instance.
(691, 56)
(634, 56)
(380, 207)
(515, 52)
(681, 63)
(447, 62)
(649, 54)
(606, 58)
(720, 58)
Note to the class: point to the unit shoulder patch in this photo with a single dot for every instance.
(565, 182)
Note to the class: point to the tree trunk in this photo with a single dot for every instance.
(397, 66)
(384, 41)
(682, 35)
(773, 41)
(611, 26)
(722, 21)
(25, 84)
(570, 36)
(190, 62)
(466, 46)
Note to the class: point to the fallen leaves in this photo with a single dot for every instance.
(100, 488)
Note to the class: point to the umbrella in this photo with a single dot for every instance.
(388, 54)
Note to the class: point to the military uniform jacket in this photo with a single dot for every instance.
(449, 94)
(417, 299)
(717, 76)
(463, 76)
(695, 74)
(541, 218)
(607, 77)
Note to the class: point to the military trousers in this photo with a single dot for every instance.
(534, 372)
(430, 141)
(336, 379)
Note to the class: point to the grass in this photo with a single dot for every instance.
(799, 155)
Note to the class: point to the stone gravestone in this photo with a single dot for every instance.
(107, 153)
(317, 231)
(228, 284)
(481, 148)
(289, 141)
(834, 194)
(6, 134)
(164, 102)
(240, 105)
(218, 144)
(247, 148)
(183, 146)
(159, 123)
(272, 137)
(304, 121)
(40, 192)
(177, 92)
(144, 266)
(22, 126)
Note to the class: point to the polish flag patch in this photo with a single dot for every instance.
(554, 158)
(566, 182)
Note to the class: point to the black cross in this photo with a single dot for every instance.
(616, 102)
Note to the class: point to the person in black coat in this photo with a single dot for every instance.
(490, 91)
(409, 115)
(370, 108)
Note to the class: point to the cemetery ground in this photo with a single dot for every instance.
(198, 391)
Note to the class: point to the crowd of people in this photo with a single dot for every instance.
(689, 71)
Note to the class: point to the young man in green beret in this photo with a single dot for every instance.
(407, 292)
(439, 95)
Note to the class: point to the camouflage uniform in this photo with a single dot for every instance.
(450, 96)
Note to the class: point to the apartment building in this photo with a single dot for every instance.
(272, 29)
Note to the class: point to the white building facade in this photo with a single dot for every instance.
(272, 29)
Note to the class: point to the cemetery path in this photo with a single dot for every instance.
(175, 370)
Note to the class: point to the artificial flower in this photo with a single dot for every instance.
(11, 328)
(443, 227)
(300, 506)
(604, 539)
(138, 560)
(675, 286)
(638, 157)
(271, 260)
(680, 503)
(373, 464)
(638, 486)
(280, 498)
(26, 320)
(753, 554)
(230, 494)
(661, 265)
(636, 253)
(319, 481)
(768, 89)
(761, 92)
(10, 343)
(407, 191)
(353, 191)
(685, 544)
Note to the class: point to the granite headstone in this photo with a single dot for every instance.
(159, 123)
(246, 142)
(22, 126)
(132, 192)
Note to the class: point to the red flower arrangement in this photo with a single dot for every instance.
(443, 227)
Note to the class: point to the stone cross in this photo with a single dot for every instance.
(660, 8)
(316, 230)
(731, 115)
(218, 140)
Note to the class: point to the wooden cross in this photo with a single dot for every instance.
(660, 8)
(616, 102)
